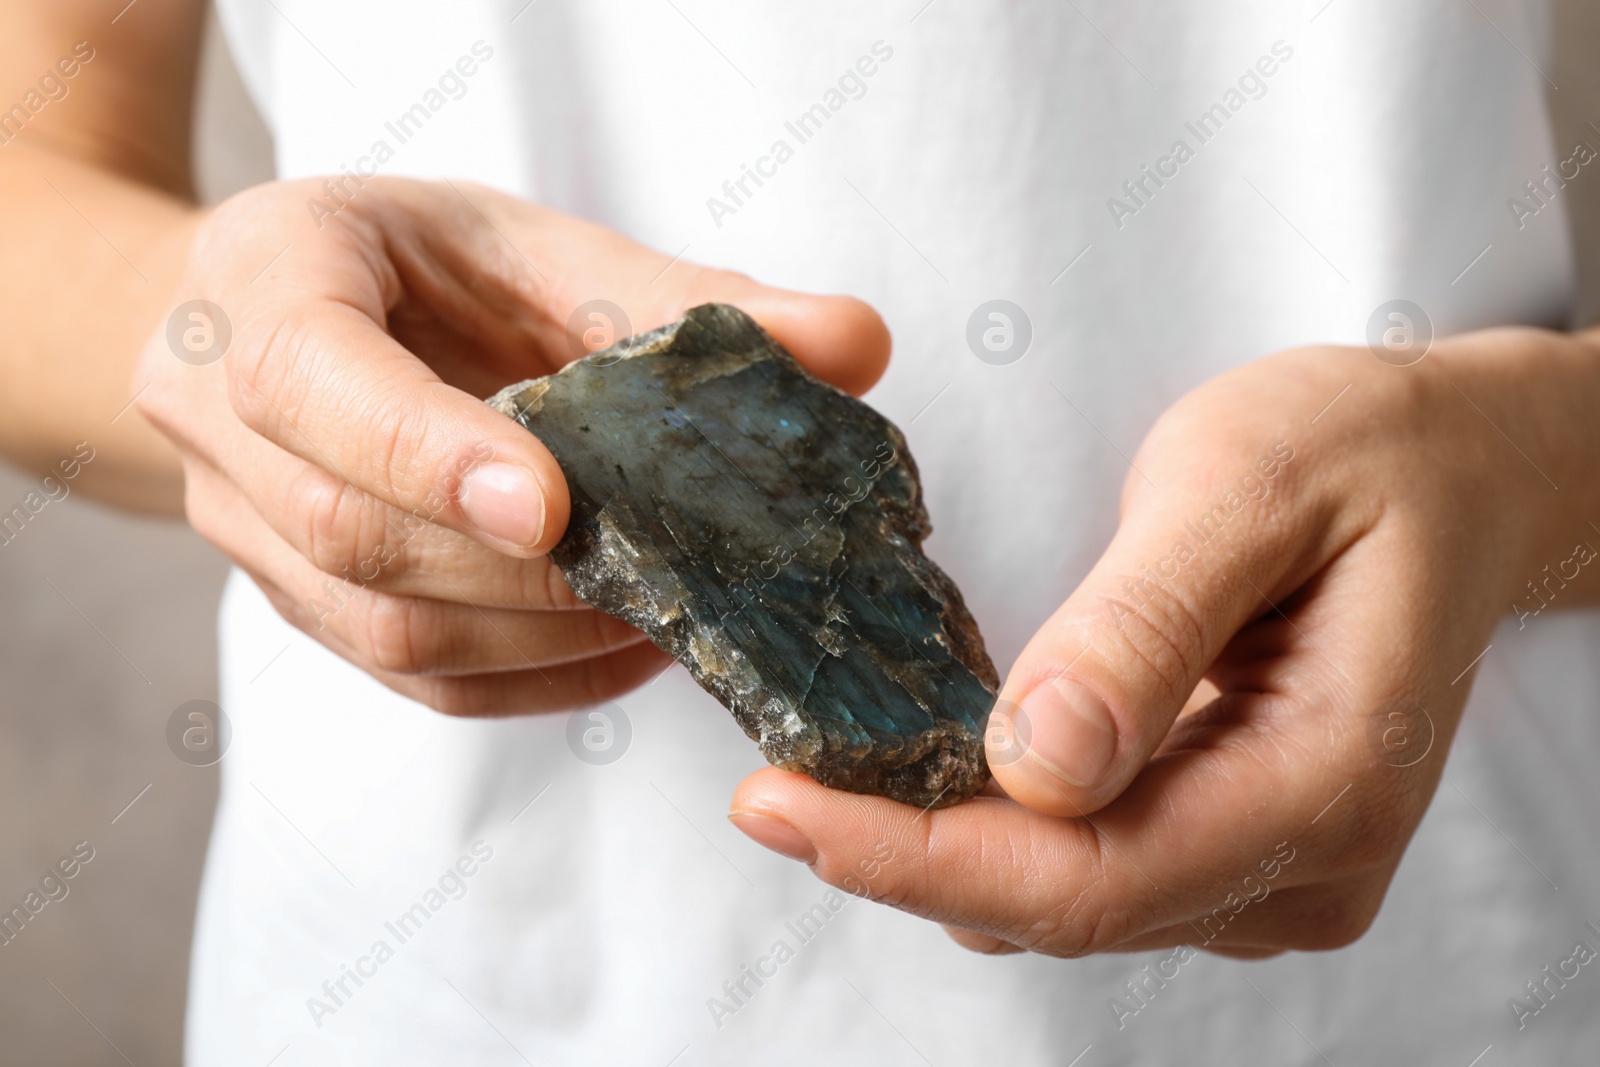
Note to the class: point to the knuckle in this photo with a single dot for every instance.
(1384, 807)
(1077, 926)
(1083, 922)
(1376, 831)
(333, 516)
(393, 441)
(395, 436)
(258, 370)
(1161, 635)
(1337, 924)
(350, 534)
(400, 633)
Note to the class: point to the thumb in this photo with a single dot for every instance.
(840, 339)
(606, 279)
(1097, 688)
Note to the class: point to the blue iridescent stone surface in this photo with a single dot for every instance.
(764, 528)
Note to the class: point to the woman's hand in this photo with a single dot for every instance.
(1227, 735)
(340, 452)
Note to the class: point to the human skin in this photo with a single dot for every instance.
(349, 400)
(1410, 517)
(98, 218)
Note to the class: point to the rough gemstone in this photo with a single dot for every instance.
(764, 528)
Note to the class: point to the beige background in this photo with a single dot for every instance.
(107, 624)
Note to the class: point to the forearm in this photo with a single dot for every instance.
(87, 271)
(98, 213)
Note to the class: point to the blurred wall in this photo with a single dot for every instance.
(107, 624)
(1575, 116)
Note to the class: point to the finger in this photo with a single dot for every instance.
(1270, 790)
(988, 866)
(501, 694)
(325, 383)
(561, 688)
(395, 634)
(366, 542)
(363, 540)
(341, 530)
(1100, 684)
(406, 635)
(838, 338)
(313, 369)
(1171, 847)
(323, 380)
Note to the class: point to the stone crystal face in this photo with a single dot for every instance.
(763, 528)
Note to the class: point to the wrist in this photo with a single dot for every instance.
(1523, 402)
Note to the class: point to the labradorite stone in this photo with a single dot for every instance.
(764, 528)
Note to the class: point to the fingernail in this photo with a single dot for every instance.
(1073, 736)
(774, 833)
(504, 501)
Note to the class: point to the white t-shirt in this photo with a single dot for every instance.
(500, 900)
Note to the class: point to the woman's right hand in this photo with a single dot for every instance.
(338, 450)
